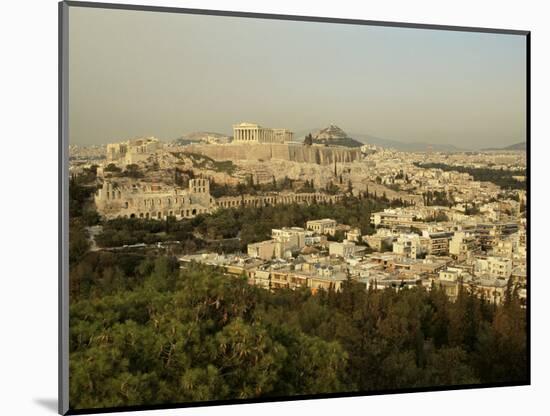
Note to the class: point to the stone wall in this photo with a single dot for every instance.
(294, 152)
(276, 199)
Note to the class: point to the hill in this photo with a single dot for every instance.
(365, 138)
(405, 146)
(334, 136)
(513, 147)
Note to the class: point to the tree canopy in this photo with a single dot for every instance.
(142, 330)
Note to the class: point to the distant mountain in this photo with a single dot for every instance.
(516, 146)
(364, 138)
(406, 147)
(202, 137)
(334, 136)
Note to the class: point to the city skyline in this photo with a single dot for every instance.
(184, 73)
(209, 270)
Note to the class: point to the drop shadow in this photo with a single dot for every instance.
(49, 404)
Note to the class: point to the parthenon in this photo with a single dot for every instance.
(254, 133)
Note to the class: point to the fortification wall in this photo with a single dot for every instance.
(321, 155)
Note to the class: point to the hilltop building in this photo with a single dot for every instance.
(254, 133)
(132, 151)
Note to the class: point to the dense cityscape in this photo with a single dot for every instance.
(261, 263)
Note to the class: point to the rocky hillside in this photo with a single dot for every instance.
(334, 136)
(293, 152)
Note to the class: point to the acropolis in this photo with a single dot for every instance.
(254, 133)
(133, 151)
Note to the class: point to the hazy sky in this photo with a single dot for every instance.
(135, 73)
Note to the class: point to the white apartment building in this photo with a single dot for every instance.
(392, 217)
(408, 245)
(452, 274)
(498, 267)
(381, 239)
(294, 236)
(344, 249)
(264, 250)
(323, 226)
(284, 241)
(436, 243)
(463, 245)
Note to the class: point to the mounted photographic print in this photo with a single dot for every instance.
(264, 207)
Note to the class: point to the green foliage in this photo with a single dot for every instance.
(185, 336)
(78, 241)
(204, 162)
(111, 167)
(501, 177)
(307, 187)
(81, 209)
(339, 235)
(438, 198)
(471, 209)
(144, 331)
(251, 188)
(250, 224)
(332, 189)
(394, 187)
(133, 171)
(440, 216)
(120, 231)
(80, 193)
